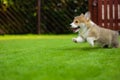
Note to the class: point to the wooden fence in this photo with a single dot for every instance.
(17, 17)
(54, 16)
(106, 13)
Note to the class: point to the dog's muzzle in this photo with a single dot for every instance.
(75, 29)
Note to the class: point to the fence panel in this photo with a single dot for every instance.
(22, 16)
(108, 13)
(17, 16)
(56, 15)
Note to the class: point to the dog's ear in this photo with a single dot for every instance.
(81, 14)
(87, 15)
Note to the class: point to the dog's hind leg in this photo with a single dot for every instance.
(115, 40)
(115, 44)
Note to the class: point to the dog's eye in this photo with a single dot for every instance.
(76, 21)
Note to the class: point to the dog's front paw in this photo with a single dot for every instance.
(74, 40)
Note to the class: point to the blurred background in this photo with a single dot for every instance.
(39, 16)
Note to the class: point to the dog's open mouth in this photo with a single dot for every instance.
(75, 29)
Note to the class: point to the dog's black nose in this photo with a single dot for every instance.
(78, 26)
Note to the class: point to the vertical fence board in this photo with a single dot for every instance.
(111, 13)
(105, 13)
(116, 14)
(99, 12)
(38, 16)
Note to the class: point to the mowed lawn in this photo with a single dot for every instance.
(55, 57)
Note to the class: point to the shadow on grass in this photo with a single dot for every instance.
(82, 48)
(85, 48)
(90, 48)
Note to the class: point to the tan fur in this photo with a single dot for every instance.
(102, 36)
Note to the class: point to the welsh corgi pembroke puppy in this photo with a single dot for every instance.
(92, 33)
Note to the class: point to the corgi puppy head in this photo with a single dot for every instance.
(80, 22)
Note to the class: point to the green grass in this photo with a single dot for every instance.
(55, 57)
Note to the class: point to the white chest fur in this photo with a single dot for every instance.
(84, 31)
